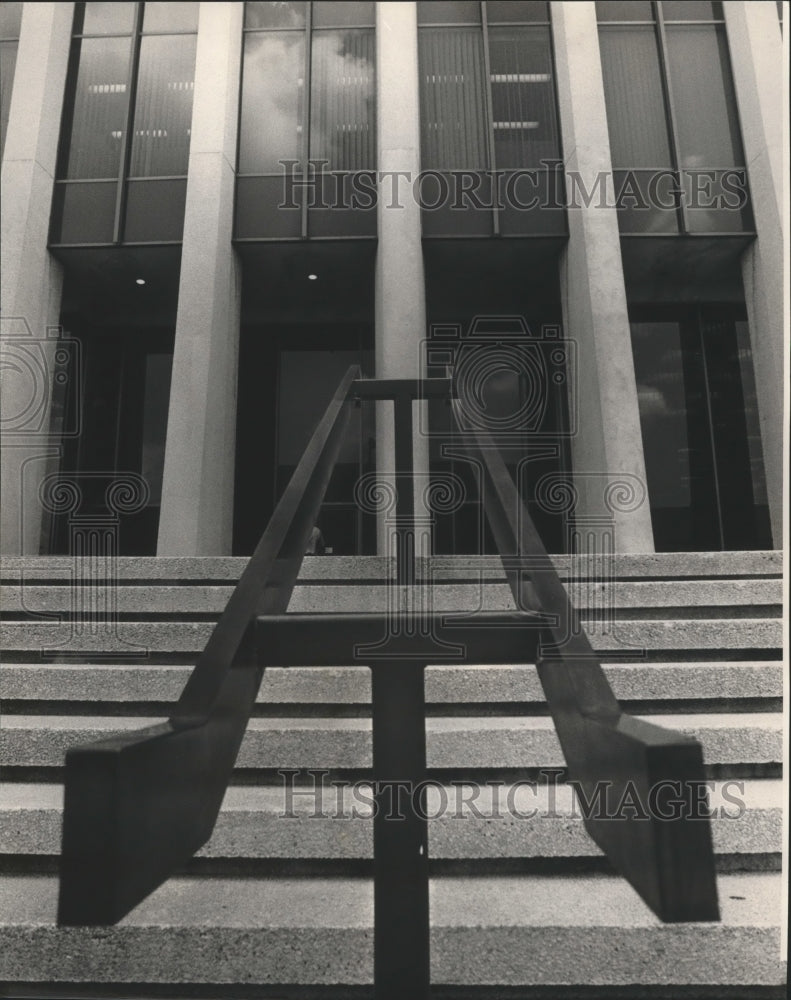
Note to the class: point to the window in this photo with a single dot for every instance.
(307, 134)
(10, 22)
(676, 147)
(490, 148)
(125, 136)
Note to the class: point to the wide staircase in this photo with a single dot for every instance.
(279, 903)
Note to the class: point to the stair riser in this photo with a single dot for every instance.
(34, 599)
(522, 744)
(351, 685)
(488, 931)
(138, 639)
(252, 835)
(174, 568)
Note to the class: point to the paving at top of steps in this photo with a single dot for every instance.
(664, 565)
(486, 930)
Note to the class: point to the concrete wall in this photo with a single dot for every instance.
(31, 278)
(756, 50)
(400, 283)
(197, 492)
(608, 446)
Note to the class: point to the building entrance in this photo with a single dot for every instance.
(701, 437)
(286, 379)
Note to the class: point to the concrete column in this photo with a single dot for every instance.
(608, 445)
(756, 50)
(31, 278)
(197, 493)
(400, 282)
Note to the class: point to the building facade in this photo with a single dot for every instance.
(210, 210)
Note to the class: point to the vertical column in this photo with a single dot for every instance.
(400, 283)
(197, 491)
(608, 439)
(756, 51)
(31, 278)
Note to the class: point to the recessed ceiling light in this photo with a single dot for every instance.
(312, 277)
(140, 281)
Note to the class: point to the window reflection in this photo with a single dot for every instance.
(124, 123)
(163, 108)
(272, 101)
(523, 98)
(100, 107)
(105, 18)
(287, 136)
(671, 106)
(453, 99)
(342, 96)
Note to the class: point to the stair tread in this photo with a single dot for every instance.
(772, 721)
(750, 562)
(352, 685)
(485, 931)
(347, 901)
(317, 596)
(141, 638)
(452, 743)
(755, 793)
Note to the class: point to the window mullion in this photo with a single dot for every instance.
(715, 471)
(490, 118)
(127, 137)
(306, 85)
(667, 92)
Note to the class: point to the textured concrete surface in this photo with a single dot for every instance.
(595, 930)
(191, 637)
(35, 598)
(498, 742)
(465, 821)
(660, 682)
(525, 741)
(658, 564)
(530, 929)
(117, 682)
(215, 930)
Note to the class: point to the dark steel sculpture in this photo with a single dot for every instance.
(137, 807)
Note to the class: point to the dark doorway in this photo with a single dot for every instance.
(119, 309)
(307, 315)
(124, 387)
(495, 316)
(699, 419)
(287, 377)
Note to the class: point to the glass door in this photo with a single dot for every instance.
(124, 396)
(306, 382)
(699, 420)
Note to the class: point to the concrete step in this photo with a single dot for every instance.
(666, 565)
(486, 931)
(30, 598)
(454, 743)
(139, 639)
(448, 685)
(466, 820)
